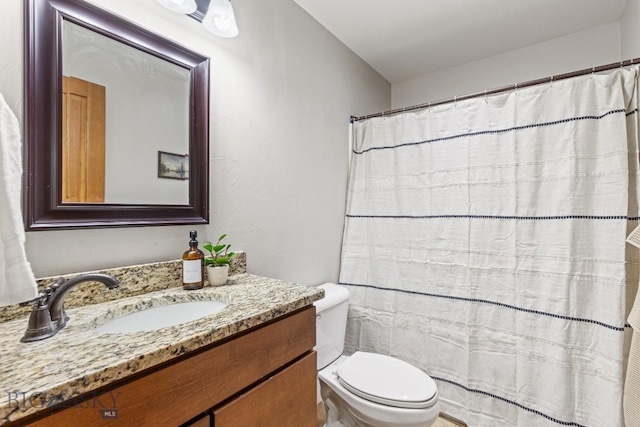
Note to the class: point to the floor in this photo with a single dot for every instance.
(443, 421)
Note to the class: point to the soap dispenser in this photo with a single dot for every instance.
(193, 265)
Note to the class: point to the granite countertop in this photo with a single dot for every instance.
(77, 359)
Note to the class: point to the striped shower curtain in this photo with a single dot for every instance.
(484, 242)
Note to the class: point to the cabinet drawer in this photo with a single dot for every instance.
(175, 393)
(286, 399)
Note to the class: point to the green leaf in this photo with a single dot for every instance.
(219, 252)
(222, 260)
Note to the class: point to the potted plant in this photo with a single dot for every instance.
(217, 262)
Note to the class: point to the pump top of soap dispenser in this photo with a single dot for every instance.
(193, 234)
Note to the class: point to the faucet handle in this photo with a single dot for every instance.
(55, 285)
(43, 297)
(39, 301)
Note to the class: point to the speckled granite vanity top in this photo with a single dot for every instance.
(78, 359)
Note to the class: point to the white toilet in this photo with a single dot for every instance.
(367, 389)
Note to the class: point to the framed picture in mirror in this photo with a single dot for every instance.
(173, 166)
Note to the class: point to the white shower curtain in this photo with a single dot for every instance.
(484, 242)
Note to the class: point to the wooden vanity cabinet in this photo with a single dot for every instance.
(202, 421)
(264, 377)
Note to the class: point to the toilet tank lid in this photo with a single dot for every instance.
(333, 295)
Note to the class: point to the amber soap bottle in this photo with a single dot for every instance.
(193, 265)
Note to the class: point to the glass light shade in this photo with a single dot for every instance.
(180, 6)
(220, 19)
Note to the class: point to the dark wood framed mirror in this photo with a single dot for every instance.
(60, 34)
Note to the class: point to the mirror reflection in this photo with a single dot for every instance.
(125, 123)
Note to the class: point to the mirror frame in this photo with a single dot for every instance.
(43, 207)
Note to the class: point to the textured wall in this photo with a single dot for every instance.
(630, 30)
(586, 49)
(281, 96)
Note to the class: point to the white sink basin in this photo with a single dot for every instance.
(164, 316)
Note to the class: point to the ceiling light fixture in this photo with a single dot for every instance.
(180, 6)
(219, 19)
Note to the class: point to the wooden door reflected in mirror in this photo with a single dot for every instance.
(83, 139)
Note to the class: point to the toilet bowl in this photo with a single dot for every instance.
(367, 389)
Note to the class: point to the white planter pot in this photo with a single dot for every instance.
(217, 275)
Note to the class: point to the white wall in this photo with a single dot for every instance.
(281, 96)
(585, 49)
(630, 30)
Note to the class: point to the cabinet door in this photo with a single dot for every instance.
(287, 399)
(202, 421)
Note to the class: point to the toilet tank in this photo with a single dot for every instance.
(331, 323)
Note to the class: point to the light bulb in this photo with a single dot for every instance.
(180, 6)
(220, 19)
(222, 22)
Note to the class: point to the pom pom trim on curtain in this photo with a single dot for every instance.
(485, 243)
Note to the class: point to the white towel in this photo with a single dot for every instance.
(17, 282)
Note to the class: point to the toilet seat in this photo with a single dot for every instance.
(387, 380)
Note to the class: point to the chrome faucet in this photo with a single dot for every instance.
(48, 315)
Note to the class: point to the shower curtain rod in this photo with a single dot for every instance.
(607, 67)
